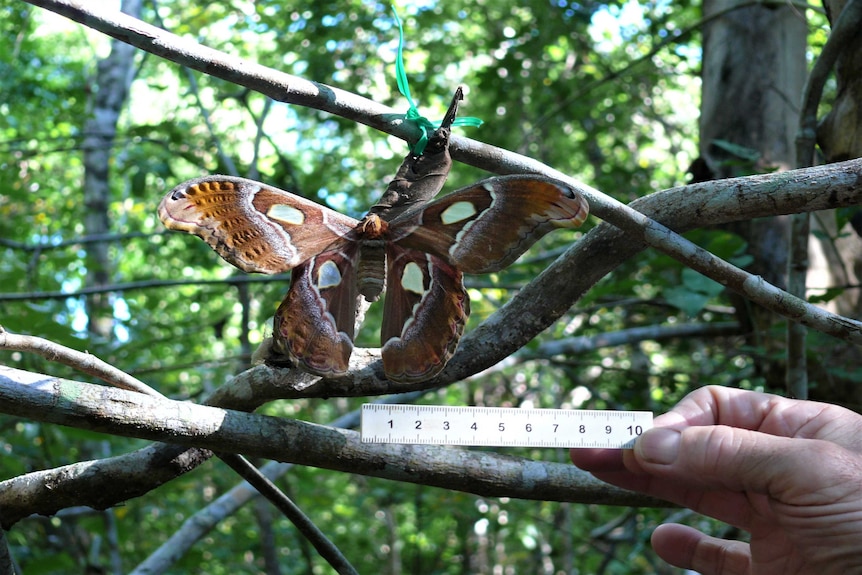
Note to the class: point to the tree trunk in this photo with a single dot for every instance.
(110, 90)
(754, 71)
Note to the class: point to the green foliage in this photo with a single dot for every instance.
(555, 81)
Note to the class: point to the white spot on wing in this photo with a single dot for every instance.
(461, 245)
(457, 212)
(412, 279)
(286, 214)
(328, 275)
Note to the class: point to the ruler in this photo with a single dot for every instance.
(501, 426)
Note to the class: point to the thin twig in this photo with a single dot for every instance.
(81, 361)
(89, 239)
(291, 510)
(578, 345)
(141, 285)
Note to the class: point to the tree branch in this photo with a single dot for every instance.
(277, 85)
(206, 519)
(119, 412)
(845, 29)
(129, 475)
(582, 344)
(79, 360)
(594, 255)
(572, 346)
(327, 550)
(98, 484)
(82, 240)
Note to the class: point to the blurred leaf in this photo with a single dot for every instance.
(827, 296)
(689, 301)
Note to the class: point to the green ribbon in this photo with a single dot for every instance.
(413, 115)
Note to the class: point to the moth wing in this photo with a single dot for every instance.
(424, 314)
(485, 227)
(314, 324)
(256, 227)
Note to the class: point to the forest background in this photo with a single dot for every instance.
(628, 101)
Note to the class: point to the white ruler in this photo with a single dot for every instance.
(502, 427)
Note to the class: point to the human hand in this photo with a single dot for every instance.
(788, 472)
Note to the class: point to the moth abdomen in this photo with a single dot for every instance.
(371, 270)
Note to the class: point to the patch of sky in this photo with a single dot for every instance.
(613, 25)
(331, 20)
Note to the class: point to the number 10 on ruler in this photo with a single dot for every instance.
(502, 427)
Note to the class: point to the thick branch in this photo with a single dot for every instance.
(118, 412)
(98, 484)
(113, 376)
(598, 252)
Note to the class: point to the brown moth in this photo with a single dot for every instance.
(421, 255)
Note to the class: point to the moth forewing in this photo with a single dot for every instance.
(255, 227)
(487, 226)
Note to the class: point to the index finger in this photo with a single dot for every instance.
(711, 405)
(767, 413)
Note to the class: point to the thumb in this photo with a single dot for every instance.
(742, 460)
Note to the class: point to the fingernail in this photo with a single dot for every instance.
(658, 445)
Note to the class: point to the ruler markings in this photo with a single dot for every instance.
(491, 426)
